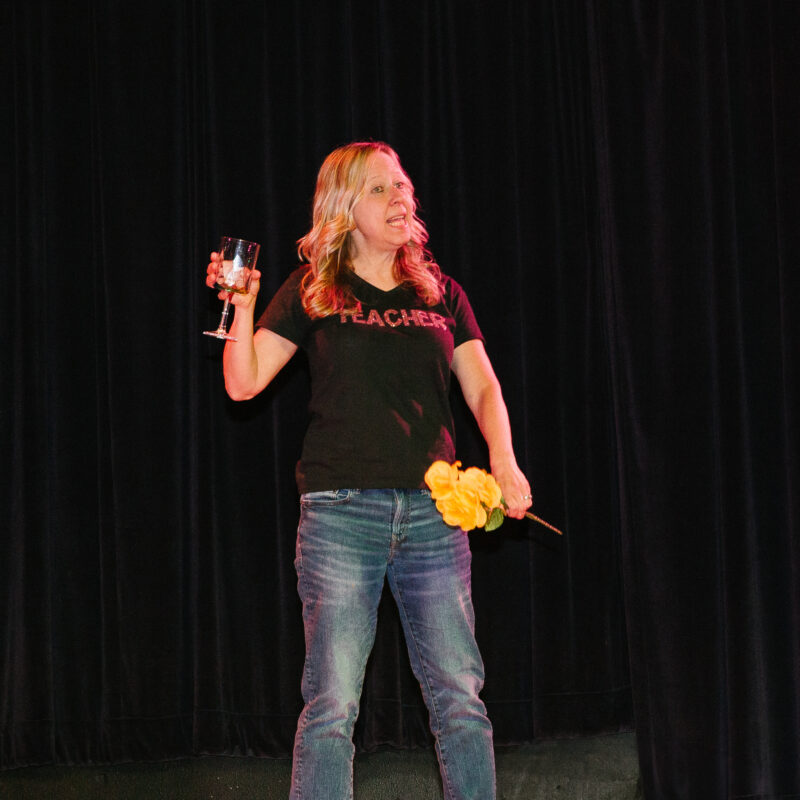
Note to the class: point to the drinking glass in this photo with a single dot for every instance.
(238, 260)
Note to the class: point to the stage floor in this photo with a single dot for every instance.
(598, 768)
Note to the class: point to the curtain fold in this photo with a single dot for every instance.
(615, 185)
(702, 375)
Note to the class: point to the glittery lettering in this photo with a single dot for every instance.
(394, 317)
(390, 315)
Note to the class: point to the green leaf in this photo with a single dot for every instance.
(496, 517)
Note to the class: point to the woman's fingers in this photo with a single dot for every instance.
(516, 492)
(212, 270)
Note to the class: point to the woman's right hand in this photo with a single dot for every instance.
(245, 300)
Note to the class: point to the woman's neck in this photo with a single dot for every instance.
(378, 272)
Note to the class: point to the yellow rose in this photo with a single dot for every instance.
(462, 508)
(484, 485)
(441, 478)
(465, 499)
(494, 492)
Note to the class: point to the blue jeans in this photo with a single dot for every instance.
(348, 541)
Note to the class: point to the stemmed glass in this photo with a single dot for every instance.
(238, 260)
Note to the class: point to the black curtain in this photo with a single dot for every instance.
(615, 185)
(696, 124)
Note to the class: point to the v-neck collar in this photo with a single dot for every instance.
(369, 292)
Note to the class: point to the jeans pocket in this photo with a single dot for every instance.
(330, 497)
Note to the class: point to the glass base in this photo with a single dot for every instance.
(220, 334)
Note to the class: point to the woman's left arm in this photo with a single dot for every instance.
(484, 397)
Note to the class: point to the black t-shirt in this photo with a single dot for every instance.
(380, 382)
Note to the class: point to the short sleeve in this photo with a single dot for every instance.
(284, 314)
(457, 302)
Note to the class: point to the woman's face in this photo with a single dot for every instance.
(383, 214)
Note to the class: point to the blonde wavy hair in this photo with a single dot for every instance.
(327, 247)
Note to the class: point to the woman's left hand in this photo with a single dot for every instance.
(515, 487)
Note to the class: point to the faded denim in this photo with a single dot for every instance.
(348, 542)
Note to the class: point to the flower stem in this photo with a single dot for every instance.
(542, 522)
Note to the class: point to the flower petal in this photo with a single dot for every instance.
(441, 478)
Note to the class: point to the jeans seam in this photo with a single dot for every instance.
(297, 761)
(434, 709)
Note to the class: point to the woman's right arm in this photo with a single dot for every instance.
(250, 363)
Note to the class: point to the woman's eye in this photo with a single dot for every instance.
(377, 189)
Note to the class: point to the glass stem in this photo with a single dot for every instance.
(223, 323)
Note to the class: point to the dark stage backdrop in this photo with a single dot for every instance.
(616, 186)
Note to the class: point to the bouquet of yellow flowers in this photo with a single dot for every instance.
(469, 498)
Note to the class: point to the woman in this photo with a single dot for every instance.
(383, 329)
